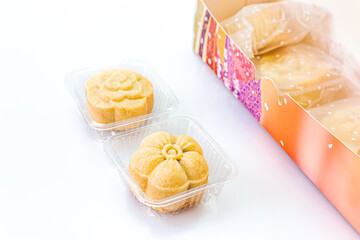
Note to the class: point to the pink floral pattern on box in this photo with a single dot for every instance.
(229, 63)
(244, 68)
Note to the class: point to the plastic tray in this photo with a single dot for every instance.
(165, 101)
(221, 170)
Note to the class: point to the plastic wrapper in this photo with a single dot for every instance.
(260, 28)
(309, 75)
(295, 54)
(342, 118)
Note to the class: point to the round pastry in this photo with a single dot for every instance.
(308, 74)
(118, 94)
(166, 165)
(342, 118)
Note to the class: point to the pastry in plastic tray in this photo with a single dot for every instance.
(166, 165)
(342, 118)
(118, 94)
(306, 73)
(260, 28)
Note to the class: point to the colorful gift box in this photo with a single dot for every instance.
(329, 163)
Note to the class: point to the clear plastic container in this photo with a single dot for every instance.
(221, 169)
(165, 102)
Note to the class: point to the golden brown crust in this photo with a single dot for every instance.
(118, 94)
(166, 165)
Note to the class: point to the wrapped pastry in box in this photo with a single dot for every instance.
(279, 59)
(273, 25)
(342, 118)
(306, 73)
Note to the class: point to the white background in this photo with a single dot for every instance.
(57, 183)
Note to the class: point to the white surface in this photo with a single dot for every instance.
(57, 183)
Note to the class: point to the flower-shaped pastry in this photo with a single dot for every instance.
(166, 165)
(118, 94)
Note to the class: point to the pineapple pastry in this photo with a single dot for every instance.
(342, 118)
(118, 94)
(166, 165)
(309, 75)
(260, 28)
